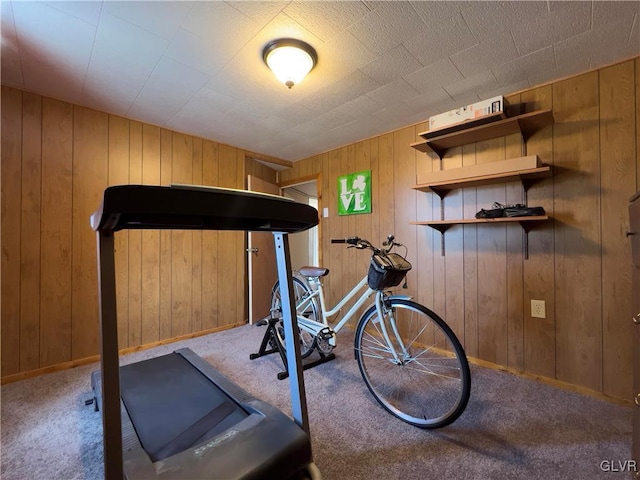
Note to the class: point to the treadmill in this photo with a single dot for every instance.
(175, 416)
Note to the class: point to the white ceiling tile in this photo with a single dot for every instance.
(562, 71)
(221, 21)
(352, 54)
(61, 82)
(283, 26)
(488, 54)
(54, 36)
(574, 18)
(366, 127)
(624, 33)
(326, 19)
(243, 87)
(491, 19)
(386, 27)
(10, 68)
(259, 109)
(205, 101)
(87, 11)
(274, 124)
(608, 11)
(435, 75)
(260, 12)
(112, 46)
(302, 132)
(393, 115)
(169, 88)
(340, 92)
(160, 18)
(433, 14)
(634, 36)
(570, 52)
(508, 89)
(432, 101)
(441, 40)
(336, 138)
(393, 93)
(525, 67)
(298, 113)
(104, 92)
(473, 87)
(391, 65)
(55, 49)
(188, 48)
(334, 118)
(359, 107)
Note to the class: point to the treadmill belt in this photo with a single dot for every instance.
(173, 406)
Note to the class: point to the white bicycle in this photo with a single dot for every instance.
(409, 358)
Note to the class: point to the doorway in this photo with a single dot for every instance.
(304, 246)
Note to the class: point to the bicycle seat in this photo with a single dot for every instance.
(313, 271)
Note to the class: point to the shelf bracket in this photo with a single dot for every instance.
(526, 228)
(526, 185)
(441, 192)
(442, 229)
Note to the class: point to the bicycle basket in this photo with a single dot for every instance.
(387, 270)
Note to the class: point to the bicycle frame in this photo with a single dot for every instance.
(314, 327)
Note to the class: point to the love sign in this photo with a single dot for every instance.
(354, 193)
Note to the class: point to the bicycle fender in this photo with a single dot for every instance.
(400, 297)
(371, 307)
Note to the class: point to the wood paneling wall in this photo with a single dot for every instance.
(57, 159)
(579, 262)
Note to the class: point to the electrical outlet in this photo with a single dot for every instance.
(537, 309)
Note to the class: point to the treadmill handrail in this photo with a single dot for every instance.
(196, 207)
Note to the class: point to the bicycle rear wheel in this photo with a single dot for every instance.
(310, 310)
(429, 383)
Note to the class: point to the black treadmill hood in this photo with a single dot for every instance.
(195, 207)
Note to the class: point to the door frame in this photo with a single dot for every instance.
(317, 177)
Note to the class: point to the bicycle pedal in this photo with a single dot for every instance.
(326, 333)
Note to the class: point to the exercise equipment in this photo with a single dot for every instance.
(175, 416)
(271, 344)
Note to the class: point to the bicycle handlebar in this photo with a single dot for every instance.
(361, 243)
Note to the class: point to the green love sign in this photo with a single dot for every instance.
(354, 193)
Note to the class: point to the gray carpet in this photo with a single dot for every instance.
(512, 428)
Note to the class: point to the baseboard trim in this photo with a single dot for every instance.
(474, 361)
(96, 358)
(551, 381)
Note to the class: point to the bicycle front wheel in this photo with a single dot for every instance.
(415, 366)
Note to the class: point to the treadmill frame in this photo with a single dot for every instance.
(105, 227)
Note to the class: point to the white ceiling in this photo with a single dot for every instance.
(196, 67)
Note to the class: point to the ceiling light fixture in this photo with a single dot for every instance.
(289, 59)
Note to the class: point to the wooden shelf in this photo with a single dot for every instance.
(524, 176)
(526, 223)
(443, 225)
(456, 127)
(527, 124)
